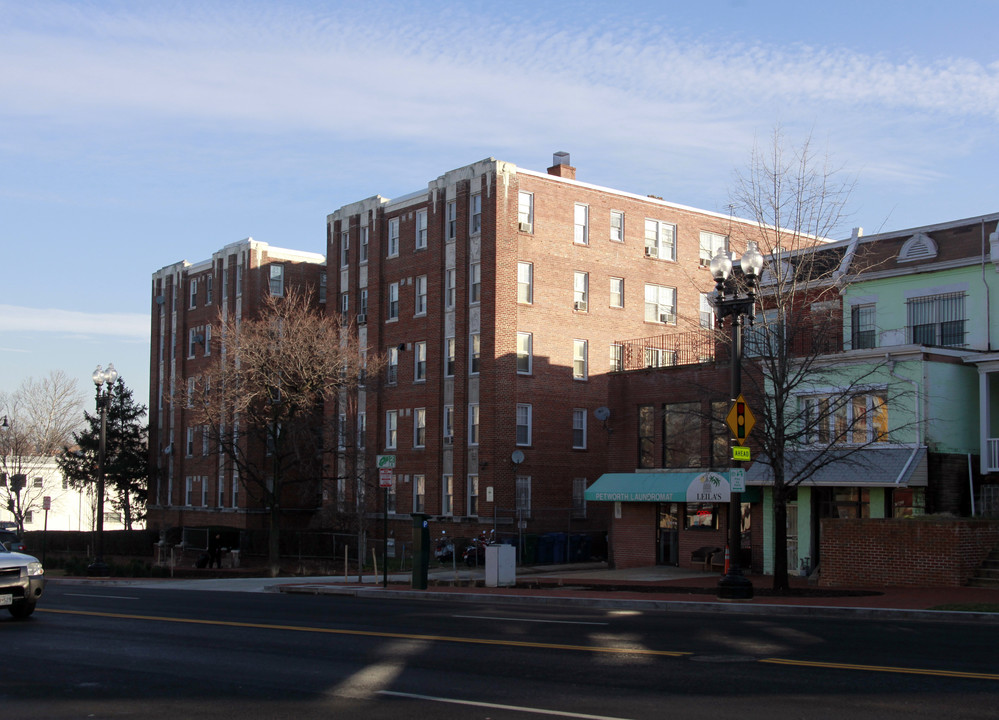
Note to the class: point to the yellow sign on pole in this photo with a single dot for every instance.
(741, 453)
(740, 420)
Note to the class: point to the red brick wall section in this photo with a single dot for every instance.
(930, 552)
(633, 536)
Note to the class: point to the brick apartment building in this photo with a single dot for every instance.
(190, 484)
(502, 297)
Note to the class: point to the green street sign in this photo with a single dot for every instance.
(386, 462)
(740, 452)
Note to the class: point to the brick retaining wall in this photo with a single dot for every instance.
(923, 552)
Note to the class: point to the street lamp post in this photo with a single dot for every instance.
(739, 304)
(99, 568)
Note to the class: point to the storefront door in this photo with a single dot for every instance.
(668, 535)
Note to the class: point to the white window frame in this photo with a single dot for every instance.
(393, 302)
(193, 285)
(525, 283)
(420, 361)
(344, 249)
(580, 291)
(419, 493)
(473, 424)
(525, 352)
(616, 292)
(393, 238)
(450, 288)
(276, 284)
(707, 311)
(451, 210)
(392, 365)
(450, 355)
(447, 495)
(362, 428)
(709, 245)
(525, 211)
(473, 496)
(660, 304)
(419, 427)
(420, 241)
(523, 496)
(475, 214)
(579, 498)
(209, 288)
(616, 363)
(420, 291)
(474, 283)
(660, 239)
(581, 224)
(474, 353)
(580, 359)
(391, 429)
(363, 254)
(447, 424)
(617, 229)
(578, 428)
(524, 418)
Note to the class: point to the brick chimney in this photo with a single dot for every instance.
(561, 167)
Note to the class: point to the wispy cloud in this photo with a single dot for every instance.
(71, 322)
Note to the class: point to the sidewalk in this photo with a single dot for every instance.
(595, 585)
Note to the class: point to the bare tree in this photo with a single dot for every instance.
(797, 200)
(41, 415)
(262, 401)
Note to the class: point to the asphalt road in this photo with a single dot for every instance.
(121, 652)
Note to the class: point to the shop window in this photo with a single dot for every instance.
(701, 516)
(646, 436)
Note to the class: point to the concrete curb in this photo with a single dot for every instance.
(734, 608)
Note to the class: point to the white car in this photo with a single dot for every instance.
(22, 580)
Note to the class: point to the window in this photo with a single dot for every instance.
(579, 498)
(525, 212)
(393, 301)
(862, 329)
(235, 489)
(525, 282)
(419, 492)
(421, 230)
(344, 249)
(322, 287)
(390, 496)
(523, 496)
(449, 356)
(523, 424)
(419, 427)
(447, 495)
(701, 516)
(37, 482)
(391, 429)
(616, 358)
(392, 366)
(345, 306)
(710, 244)
(579, 360)
(707, 312)
(362, 429)
(421, 295)
(473, 423)
(194, 293)
(720, 434)
(341, 431)
(660, 304)
(449, 289)
(452, 220)
(192, 340)
(659, 357)
(189, 491)
(581, 224)
(448, 424)
(682, 435)
(659, 240)
(220, 489)
(393, 237)
(209, 289)
(474, 283)
(190, 442)
(936, 319)
(277, 280)
(363, 309)
(420, 362)
(474, 353)
(363, 255)
(204, 441)
(852, 419)
(239, 279)
(580, 290)
(524, 353)
(473, 495)
(579, 429)
(646, 436)
(617, 292)
(475, 212)
(617, 226)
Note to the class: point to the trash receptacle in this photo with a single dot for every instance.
(421, 551)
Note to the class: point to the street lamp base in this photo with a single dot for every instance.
(734, 586)
(98, 568)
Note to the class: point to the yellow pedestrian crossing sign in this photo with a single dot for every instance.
(740, 420)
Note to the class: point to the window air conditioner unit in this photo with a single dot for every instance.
(449, 440)
(525, 227)
(362, 318)
(579, 305)
(651, 252)
(668, 318)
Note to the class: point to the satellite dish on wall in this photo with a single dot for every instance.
(602, 413)
(517, 457)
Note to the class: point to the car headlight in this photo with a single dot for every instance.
(35, 568)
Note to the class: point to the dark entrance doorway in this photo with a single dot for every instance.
(668, 534)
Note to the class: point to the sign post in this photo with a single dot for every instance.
(386, 464)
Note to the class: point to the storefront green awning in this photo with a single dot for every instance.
(681, 486)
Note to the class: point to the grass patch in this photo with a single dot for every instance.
(969, 607)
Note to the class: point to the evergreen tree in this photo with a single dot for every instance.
(126, 462)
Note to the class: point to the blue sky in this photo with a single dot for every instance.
(134, 135)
